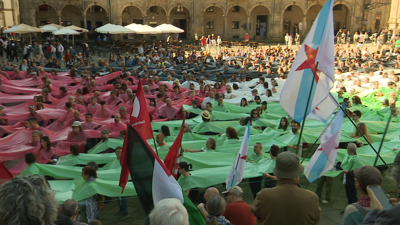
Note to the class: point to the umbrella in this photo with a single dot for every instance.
(168, 28)
(118, 29)
(53, 25)
(103, 29)
(66, 31)
(14, 28)
(73, 27)
(145, 29)
(49, 28)
(24, 29)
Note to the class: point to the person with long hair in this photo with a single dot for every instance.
(231, 136)
(167, 134)
(243, 102)
(45, 150)
(91, 204)
(283, 124)
(364, 130)
(184, 177)
(356, 100)
(216, 207)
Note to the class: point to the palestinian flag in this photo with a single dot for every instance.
(151, 179)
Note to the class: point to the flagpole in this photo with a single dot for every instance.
(384, 133)
(155, 146)
(359, 131)
(308, 104)
(309, 150)
(234, 175)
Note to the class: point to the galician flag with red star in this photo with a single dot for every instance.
(317, 49)
(324, 158)
(236, 174)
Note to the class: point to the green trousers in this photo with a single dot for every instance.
(320, 184)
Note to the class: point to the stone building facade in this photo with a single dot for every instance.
(9, 13)
(230, 19)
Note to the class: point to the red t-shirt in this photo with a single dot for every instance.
(203, 41)
(239, 213)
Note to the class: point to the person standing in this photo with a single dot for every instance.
(349, 164)
(60, 51)
(203, 42)
(297, 40)
(247, 37)
(320, 185)
(256, 157)
(287, 38)
(290, 42)
(274, 205)
(237, 211)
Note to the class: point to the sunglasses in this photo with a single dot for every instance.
(31, 106)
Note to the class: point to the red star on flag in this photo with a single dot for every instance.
(309, 63)
(243, 157)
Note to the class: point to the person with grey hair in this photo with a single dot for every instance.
(378, 215)
(71, 210)
(216, 207)
(123, 113)
(37, 206)
(348, 165)
(169, 211)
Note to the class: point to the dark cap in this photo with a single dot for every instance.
(288, 165)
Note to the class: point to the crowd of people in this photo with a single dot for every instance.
(65, 117)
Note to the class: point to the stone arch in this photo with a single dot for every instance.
(179, 4)
(211, 20)
(236, 22)
(133, 15)
(69, 16)
(312, 13)
(229, 9)
(94, 4)
(341, 17)
(260, 21)
(292, 16)
(46, 17)
(96, 18)
(156, 18)
(180, 17)
(214, 5)
(291, 4)
(122, 8)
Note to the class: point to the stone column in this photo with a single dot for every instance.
(168, 20)
(303, 31)
(394, 18)
(225, 27)
(85, 37)
(248, 25)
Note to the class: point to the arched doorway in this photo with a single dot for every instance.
(312, 14)
(155, 16)
(341, 17)
(213, 21)
(71, 15)
(292, 17)
(96, 16)
(259, 17)
(45, 14)
(180, 17)
(131, 14)
(237, 22)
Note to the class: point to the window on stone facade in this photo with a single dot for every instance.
(44, 8)
(179, 8)
(210, 9)
(210, 25)
(235, 24)
(153, 9)
(235, 8)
